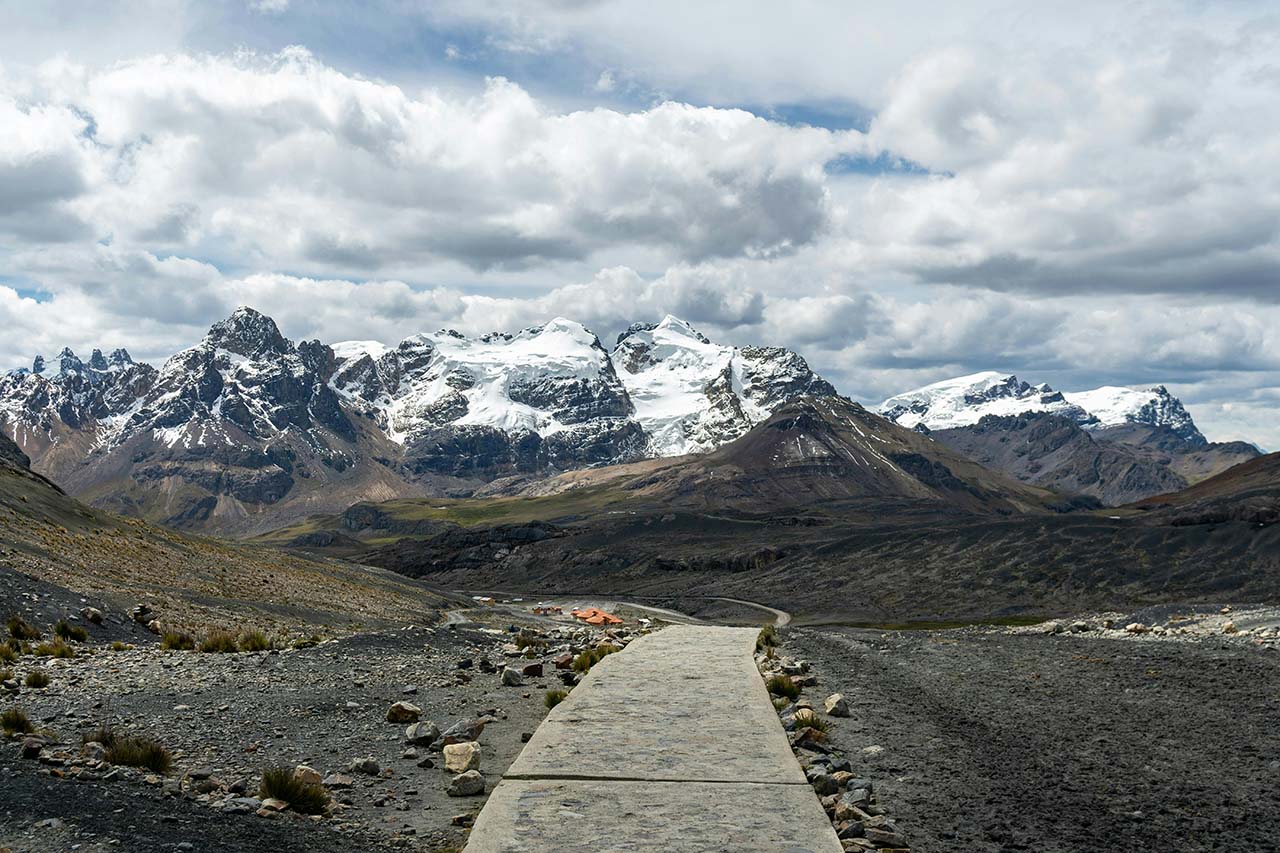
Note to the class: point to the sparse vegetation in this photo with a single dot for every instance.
(38, 678)
(118, 646)
(58, 648)
(14, 721)
(21, 629)
(307, 642)
(782, 685)
(8, 654)
(807, 718)
(255, 641)
(219, 642)
(525, 641)
(554, 698)
(67, 631)
(302, 796)
(591, 657)
(102, 735)
(780, 702)
(139, 751)
(767, 640)
(6, 675)
(177, 641)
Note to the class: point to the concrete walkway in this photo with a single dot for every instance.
(671, 745)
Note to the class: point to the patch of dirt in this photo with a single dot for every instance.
(990, 741)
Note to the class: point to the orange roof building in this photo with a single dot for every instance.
(596, 616)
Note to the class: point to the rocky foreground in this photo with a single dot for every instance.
(1057, 740)
(402, 731)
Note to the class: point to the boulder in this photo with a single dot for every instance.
(403, 712)
(338, 781)
(310, 775)
(836, 706)
(461, 757)
(1229, 628)
(461, 731)
(531, 670)
(511, 678)
(91, 614)
(367, 766)
(466, 784)
(422, 734)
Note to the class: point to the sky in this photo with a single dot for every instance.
(901, 192)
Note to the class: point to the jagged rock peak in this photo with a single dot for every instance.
(248, 333)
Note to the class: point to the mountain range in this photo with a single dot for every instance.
(246, 430)
(1115, 444)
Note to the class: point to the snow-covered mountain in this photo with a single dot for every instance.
(965, 400)
(691, 395)
(234, 430)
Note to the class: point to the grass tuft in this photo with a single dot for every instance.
(219, 642)
(21, 629)
(554, 698)
(67, 631)
(255, 641)
(38, 678)
(8, 654)
(6, 675)
(591, 657)
(58, 648)
(307, 642)
(302, 796)
(118, 646)
(782, 685)
(177, 641)
(139, 751)
(807, 718)
(103, 735)
(14, 721)
(767, 639)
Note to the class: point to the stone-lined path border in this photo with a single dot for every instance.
(672, 745)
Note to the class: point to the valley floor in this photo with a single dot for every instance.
(984, 740)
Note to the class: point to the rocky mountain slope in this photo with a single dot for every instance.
(58, 552)
(246, 430)
(1115, 444)
(1248, 493)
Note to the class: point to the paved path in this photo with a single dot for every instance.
(671, 745)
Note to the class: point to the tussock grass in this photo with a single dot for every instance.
(807, 718)
(554, 698)
(219, 642)
(255, 641)
(782, 685)
(38, 678)
(177, 641)
(118, 646)
(67, 631)
(139, 751)
(591, 657)
(21, 629)
(15, 721)
(767, 640)
(58, 648)
(307, 642)
(8, 654)
(302, 796)
(6, 675)
(103, 735)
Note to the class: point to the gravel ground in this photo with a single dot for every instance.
(235, 715)
(991, 741)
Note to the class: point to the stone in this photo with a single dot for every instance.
(511, 678)
(31, 748)
(272, 804)
(465, 663)
(1080, 627)
(1136, 628)
(91, 614)
(338, 781)
(1229, 628)
(94, 751)
(884, 838)
(836, 705)
(463, 730)
(403, 712)
(466, 784)
(564, 661)
(368, 766)
(531, 670)
(422, 734)
(824, 785)
(461, 757)
(310, 775)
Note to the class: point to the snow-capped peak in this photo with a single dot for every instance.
(965, 400)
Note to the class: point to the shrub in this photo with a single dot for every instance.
(118, 646)
(301, 795)
(15, 721)
(139, 751)
(8, 654)
(67, 631)
(38, 678)
(103, 735)
(767, 639)
(58, 648)
(307, 642)
(6, 675)
(525, 641)
(219, 642)
(780, 702)
(255, 641)
(177, 641)
(554, 698)
(21, 629)
(807, 718)
(782, 685)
